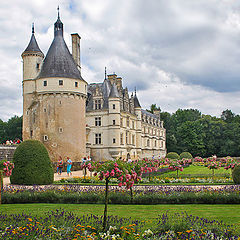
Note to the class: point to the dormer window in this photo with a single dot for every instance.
(98, 104)
(60, 82)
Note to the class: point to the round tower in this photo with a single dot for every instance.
(32, 62)
(57, 112)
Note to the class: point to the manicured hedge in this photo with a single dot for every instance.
(32, 164)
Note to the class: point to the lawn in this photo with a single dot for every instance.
(197, 171)
(229, 214)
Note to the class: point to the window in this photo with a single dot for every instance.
(76, 84)
(114, 122)
(114, 140)
(45, 83)
(60, 82)
(98, 138)
(98, 104)
(97, 121)
(121, 138)
(46, 124)
(133, 139)
(133, 125)
(126, 137)
(27, 112)
(155, 143)
(31, 133)
(114, 107)
(148, 143)
(60, 130)
(45, 110)
(37, 66)
(45, 138)
(60, 102)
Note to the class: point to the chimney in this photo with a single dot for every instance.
(76, 49)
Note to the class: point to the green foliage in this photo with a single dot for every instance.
(236, 174)
(32, 164)
(172, 155)
(11, 130)
(187, 155)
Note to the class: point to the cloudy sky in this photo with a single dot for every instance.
(177, 53)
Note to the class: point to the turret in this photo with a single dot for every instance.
(32, 59)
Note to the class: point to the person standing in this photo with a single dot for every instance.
(69, 165)
(59, 165)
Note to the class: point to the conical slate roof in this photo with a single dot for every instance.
(136, 102)
(59, 61)
(114, 92)
(33, 46)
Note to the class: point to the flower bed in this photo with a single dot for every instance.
(141, 194)
(60, 224)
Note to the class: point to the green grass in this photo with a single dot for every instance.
(192, 171)
(229, 214)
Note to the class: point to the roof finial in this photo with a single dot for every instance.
(135, 91)
(32, 28)
(58, 12)
(105, 72)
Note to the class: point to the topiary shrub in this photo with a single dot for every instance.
(187, 155)
(236, 174)
(172, 155)
(32, 164)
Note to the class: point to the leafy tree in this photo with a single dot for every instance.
(227, 116)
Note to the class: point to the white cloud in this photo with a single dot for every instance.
(182, 53)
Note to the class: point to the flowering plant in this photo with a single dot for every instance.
(6, 167)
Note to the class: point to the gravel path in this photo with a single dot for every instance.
(6, 180)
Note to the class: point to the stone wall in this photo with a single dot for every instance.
(6, 152)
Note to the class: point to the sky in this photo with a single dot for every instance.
(177, 53)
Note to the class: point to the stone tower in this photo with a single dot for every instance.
(54, 96)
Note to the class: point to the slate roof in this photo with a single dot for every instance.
(59, 61)
(33, 46)
(149, 114)
(136, 102)
(114, 92)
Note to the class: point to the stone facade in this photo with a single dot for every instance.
(54, 97)
(73, 119)
(118, 127)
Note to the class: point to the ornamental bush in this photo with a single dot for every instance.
(172, 155)
(186, 155)
(32, 164)
(236, 174)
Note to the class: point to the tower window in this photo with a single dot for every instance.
(37, 66)
(98, 138)
(114, 122)
(114, 140)
(60, 82)
(60, 130)
(45, 138)
(45, 110)
(97, 121)
(31, 133)
(114, 106)
(45, 83)
(76, 84)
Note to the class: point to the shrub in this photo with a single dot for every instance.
(187, 155)
(32, 164)
(236, 174)
(172, 155)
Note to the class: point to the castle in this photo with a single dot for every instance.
(75, 119)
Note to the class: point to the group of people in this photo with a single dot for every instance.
(12, 142)
(69, 164)
(60, 166)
